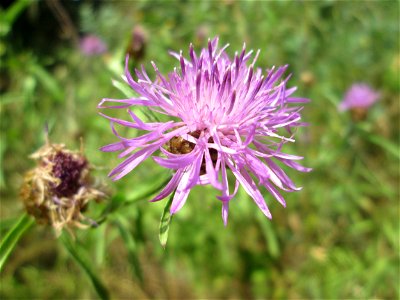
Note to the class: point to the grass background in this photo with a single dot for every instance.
(337, 238)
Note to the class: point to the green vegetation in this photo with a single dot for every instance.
(338, 237)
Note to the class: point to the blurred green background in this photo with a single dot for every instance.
(337, 238)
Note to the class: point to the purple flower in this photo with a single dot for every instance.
(223, 115)
(92, 45)
(360, 95)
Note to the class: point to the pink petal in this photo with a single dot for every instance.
(225, 212)
(130, 163)
(182, 191)
(172, 184)
(178, 162)
(250, 188)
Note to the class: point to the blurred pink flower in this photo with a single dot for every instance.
(359, 95)
(92, 45)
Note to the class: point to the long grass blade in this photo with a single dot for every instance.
(13, 236)
(83, 263)
(131, 247)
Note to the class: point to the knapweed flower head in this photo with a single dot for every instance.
(59, 188)
(359, 95)
(358, 99)
(224, 115)
(92, 45)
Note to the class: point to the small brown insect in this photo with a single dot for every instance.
(178, 145)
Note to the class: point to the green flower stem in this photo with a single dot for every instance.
(79, 257)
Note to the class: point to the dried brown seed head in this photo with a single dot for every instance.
(59, 188)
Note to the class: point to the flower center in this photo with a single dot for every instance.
(178, 145)
(68, 169)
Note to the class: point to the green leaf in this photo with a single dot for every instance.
(15, 10)
(13, 236)
(8, 17)
(130, 245)
(166, 218)
(83, 263)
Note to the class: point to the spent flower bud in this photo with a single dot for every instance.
(59, 188)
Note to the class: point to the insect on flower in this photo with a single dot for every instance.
(224, 115)
(92, 45)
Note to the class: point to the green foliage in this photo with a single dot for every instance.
(83, 262)
(8, 17)
(131, 247)
(337, 238)
(12, 237)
